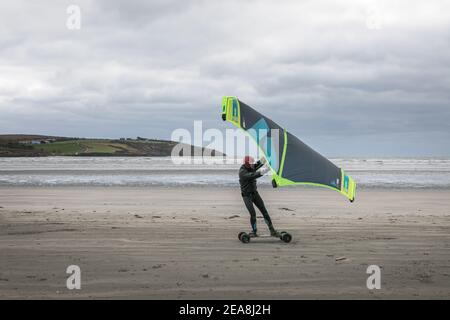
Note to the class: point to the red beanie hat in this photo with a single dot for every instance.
(248, 160)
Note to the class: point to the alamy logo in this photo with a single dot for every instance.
(374, 280)
(74, 280)
(233, 144)
(74, 20)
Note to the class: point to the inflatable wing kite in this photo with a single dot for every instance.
(290, 160)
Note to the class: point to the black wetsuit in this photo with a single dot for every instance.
(250, 195)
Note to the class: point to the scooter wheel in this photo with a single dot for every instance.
(286, 237)
(245, 238)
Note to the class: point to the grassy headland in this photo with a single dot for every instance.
(41, 146)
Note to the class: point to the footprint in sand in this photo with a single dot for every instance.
(341, 259)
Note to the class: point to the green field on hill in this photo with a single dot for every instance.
(36, 146)
(22, 145)
(79, 147)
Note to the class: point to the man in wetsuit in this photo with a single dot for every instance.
(248, 173)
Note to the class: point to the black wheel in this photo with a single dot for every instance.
(240, 235)
(286, 237)
(245, 238)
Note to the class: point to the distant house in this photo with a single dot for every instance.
(44, 141)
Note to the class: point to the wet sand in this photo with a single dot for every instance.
(181, 243)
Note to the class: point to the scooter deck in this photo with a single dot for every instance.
(283, 236)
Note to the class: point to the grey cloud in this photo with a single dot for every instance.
(148, 67)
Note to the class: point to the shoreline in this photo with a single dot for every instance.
(266, 187)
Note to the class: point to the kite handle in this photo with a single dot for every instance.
(274, 183)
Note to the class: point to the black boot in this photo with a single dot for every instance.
(253, 233)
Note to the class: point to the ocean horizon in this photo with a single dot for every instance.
(380, 172)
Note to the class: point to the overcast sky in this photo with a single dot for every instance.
(349, 78)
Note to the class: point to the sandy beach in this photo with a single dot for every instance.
(181, 243)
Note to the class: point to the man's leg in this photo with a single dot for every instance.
(249, 204)
(260, 205)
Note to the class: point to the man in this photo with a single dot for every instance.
(248, 173)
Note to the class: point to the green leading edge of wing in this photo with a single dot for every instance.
(291, 161)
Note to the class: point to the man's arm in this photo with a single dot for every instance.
(260, 163)
(244, 174)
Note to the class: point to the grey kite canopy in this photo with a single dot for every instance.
(291, 161)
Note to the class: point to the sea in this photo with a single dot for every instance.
(400, 173)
